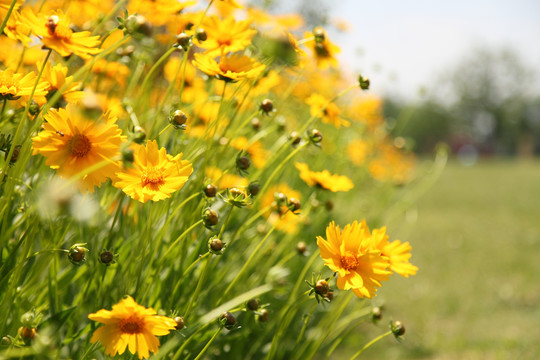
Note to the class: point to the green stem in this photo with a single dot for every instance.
(369, 344)
(208, 344)
(153, 69)
(8, 14)
(304, 327)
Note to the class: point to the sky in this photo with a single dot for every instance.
(403, 45)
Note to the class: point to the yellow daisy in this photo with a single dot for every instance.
(17, 30)
(351, 254)
(155, 175)
(225, 36)
(230, 68)
(56, 76)
(323, 50)
(73, 144)
(324, 179)
(14, 85)
(398, 253)
(130, 325)
(55, 33)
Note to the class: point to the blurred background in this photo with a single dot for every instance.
(463, 73)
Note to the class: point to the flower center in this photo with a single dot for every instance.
(349, 262)
(57, 29)
(152, 175)
(79, 145)
(131, 325)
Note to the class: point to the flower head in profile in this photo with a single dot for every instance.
(14, 85)
(328, 111)
(55, 33)
(230, 68)
(130, 325)
(225, 36)
(155, 175)
(74, 145)
(398, 253)
(57, 77)
(352, 255)
(324, 179)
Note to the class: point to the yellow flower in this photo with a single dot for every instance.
(329, 112)
(56, 77)
(229, 68)
(323, 50)
(130, 325)
(233, 3)
(358, 150)
(391, 164)
(14, 85)
(368, 109)
(288, 222)
(351, 254)
(155, 175)
(72, 145)
(324, 179)
(17, 30)
(56, 34)
(397, 253)
(158, 12)
(225, 36)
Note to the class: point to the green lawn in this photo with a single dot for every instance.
(476, 241)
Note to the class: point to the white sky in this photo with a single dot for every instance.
(404, 44)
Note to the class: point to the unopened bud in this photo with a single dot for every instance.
(398, 329)
(139, 135)
(263, 317)
(295, 138)
(243, 162)
(227, 320)
(363, 82)
(315, 136)
(210, 217)
(253, 304)
(215, 245)
(267, 106)
(178, 119)
(210, 190)
(179, 323)
(201, 35)
(376, 313)
(321, 287)
(254, 188)
(301, 247)
(182, 40)
(319, 34)
(107, 257)
(256, 124)
(294, 204)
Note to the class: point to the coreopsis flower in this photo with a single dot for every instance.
(81, 11)
(352, 255)
(130, 325)
(225, 36)
(6, 4)
(323, 50)
(328, 111)
(55, 33)
(369, 110)
(56, 76)
(15, 85)
(73, 145)
(230, 68)
(233, 3)
(391, 164)
(17, 29)
(398, 253)
(324, 179)
(155, 175)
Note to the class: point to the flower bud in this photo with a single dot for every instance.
(376, 313)
(263, 317)
(5, 341)
(254, 188)
(329, 205)
(321, 287)
(210, 190)
(329, 295)
(201, 35)
(398, 329)
(138, 26)
(77, 254)
(363, 82)
(27, 333)
(179, 323)
(253, 304)
(301, 247)
(227, 320)
(243, 163)
(294, 204)
(139, 135)
(127, 156)
(256, 124)
(267, 106)
(183, 40)
(15, 155)
(315, 136)
(178, 119)
(215, 246)
(28, 319)
(320, 34)
(295, 138)
(33, 109)
(107, 257)
(210, 217)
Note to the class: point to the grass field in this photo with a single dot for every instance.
(477, 244)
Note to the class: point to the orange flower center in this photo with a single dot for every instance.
(152, 175)
(349, 262)
(131, 325)
(79, 145)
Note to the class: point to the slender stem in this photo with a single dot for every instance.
(208, 344)
(304, 327)
(369, 344)
(8, 14)
(164, 129)
(153, 69)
